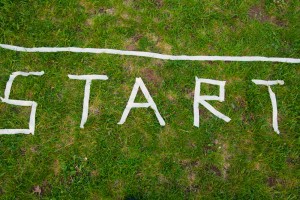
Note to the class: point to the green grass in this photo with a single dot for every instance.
(242, 159)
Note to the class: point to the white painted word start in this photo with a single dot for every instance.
(139, 84)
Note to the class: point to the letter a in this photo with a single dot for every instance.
(140, 84)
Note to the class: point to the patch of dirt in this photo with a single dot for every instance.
(257, 166)
(241, 102)
(94, 107)
(33, 149)
(156, 20)
(162, 179)
(139, 174)
(188, 163)
(88, 6)
(66, 139)
(257, 12)
(89, 22)
(46, 187)
(192, 189)
(132, 43)
(131, 47)
(30, 94)
(23, 151)
(271, 181)
(151, 36)
(117, 189)
(151, 76)
(158, 3)
(110, 11)
(164, 47)
(125, 16)
(191, 166)
(56, 167)
(292, 161)
(192, 144)
(125, 88)
(137, 37)
(129, 66)
(214, 169)
(93, 11)
(71, 122)
(248, 118)
(203, 113)
(191, 178)
(208, 149)
(223, 146)
(94, 110)
(157, 62)
(43, 189)
(37, 190)
(192, 186)
(189, 93)
(171, 96)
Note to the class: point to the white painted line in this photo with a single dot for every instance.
(86, 99)
(273, 99)
(202, 99)
(150, 103)
(151, 54)
(33, 104)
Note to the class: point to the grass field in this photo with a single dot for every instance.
(242, 159)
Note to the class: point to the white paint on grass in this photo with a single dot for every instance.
(33, 104)
(273, 99)
(203, 98)
(88, 79)
(198, 99)
(131, 104)
(151, 54)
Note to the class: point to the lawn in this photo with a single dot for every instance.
(241, 159)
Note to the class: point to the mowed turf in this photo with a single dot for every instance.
(242, 159)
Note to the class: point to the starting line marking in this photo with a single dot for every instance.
(151, 54)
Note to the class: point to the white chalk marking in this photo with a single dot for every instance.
(33, 104)
(202, 99)
(151, 54)
(273, 99)
(87, 89)
(130, 104)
